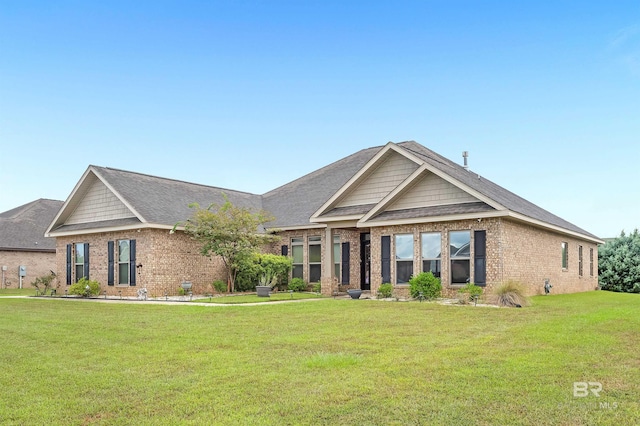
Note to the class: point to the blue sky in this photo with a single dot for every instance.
(250, 95)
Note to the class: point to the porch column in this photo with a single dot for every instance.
(327, 264)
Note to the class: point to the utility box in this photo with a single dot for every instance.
(22, 271)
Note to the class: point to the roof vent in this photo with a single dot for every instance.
(465, 155)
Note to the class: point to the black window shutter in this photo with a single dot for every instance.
(132, 262)
(284, 250)
(69, 265)
(480, 258)
(346, 253)
(386, 259)
(110, 255)
(86, 260)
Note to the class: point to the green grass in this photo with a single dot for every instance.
(252, 298)
(73, 362)
(12, 291)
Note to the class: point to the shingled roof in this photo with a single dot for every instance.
(23, 228)
(160, 202)
(491, 190)
(152, 200)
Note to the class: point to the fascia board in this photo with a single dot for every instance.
(300, 228)
(445, 218)
(107, 229)
(337, 218)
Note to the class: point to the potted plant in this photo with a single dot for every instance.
(355, 293)
(267, 282)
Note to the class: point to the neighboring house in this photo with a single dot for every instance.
(380, 215)
(23, 244)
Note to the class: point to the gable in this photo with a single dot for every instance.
(99, 204)
(431, 190)
(379, 182)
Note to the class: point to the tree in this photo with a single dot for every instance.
(619, 263)
(231, 232)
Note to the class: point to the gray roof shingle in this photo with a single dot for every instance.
(164, 201)
(293, 204)
(491, 190)
(23, 228)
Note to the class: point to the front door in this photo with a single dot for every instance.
(365, 261)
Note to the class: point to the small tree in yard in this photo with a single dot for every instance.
(230, 232)
(619, 263)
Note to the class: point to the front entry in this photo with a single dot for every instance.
(365, 261)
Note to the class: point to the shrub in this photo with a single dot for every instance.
(470, 292)
(219, 286)
(317, 287)
(271, 269)
(386, 290)
(85, 288)
(511, 293)
(619, 263)
(274, 268)
(44, 283)
(297, 284)
(427, 284)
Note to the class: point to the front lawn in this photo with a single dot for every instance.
(72, 362)
(252, 298)
(14, 291)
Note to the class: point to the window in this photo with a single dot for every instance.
(431, 253)
(297, 252)
(404, 258)
(591, 262)
(315, 259)
(337, 257)
(580, 260)
(460, 256)
(124, 257)
(565, 255)
(79, 260)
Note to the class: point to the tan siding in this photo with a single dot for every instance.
(432, 191)
(99, 204)
(381, 181)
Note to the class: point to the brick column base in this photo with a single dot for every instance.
(328, 286)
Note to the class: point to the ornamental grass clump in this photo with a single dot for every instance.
(511, 294)
(470, 293)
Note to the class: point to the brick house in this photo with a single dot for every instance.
(380, 215)
(23, 244)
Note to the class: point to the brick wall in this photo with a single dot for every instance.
(329, 284)
(515, 251)
(493, 265)
(38, 264)
(532, 255)
(167, 260)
